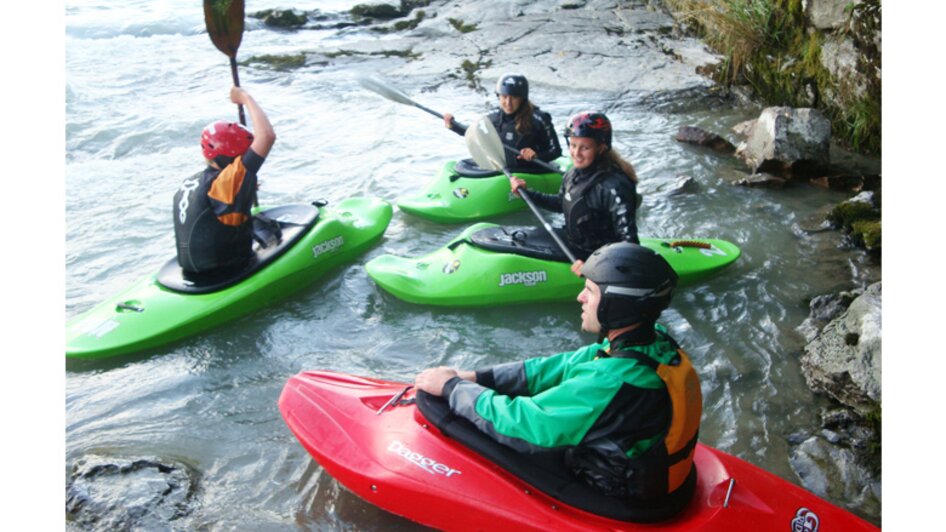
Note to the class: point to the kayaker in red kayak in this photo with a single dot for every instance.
(213, 226)
(598, 194)
(520, 124)
(626, 410)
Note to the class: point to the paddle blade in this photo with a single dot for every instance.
(485, 145)
(224, 20)
(379, 85)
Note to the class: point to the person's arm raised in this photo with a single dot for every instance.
(263, 134)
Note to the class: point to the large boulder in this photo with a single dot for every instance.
(788, 142)
(844, 360)
(107, 493)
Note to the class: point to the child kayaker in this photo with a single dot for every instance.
(626, 410)
(213, 226)
(520, 124)
(598, 194)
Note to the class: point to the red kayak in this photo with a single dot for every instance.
(371, 436)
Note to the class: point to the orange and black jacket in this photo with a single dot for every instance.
(212, 215)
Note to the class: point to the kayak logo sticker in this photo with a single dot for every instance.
(451, 267)
(427, 464)
(327, 246)
(98, 327)
(523, 278)
(713, 251)
(461, 192)
(805, 521)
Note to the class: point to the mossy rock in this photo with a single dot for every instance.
(867, 232)
(281, 18)
(379, 11)
(848, 213)
(278, 62)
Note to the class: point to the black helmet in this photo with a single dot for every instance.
(513, 85)
(590, 124)
(636, 284)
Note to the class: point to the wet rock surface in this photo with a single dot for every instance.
(551, 42)
(844, 360)
(106, 493)
(788, 143)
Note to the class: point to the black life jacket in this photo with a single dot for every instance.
(203, 242)
(587, 227)
(506, 127)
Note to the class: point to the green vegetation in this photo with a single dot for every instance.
(406, 54)
(460, 26)
(469, 68)
(278, 62)
(867, 232)
(403, 25)
(281, 18)
(768, 45)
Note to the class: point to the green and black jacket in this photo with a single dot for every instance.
(610, 410)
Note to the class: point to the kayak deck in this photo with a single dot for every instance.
(462, 274)
(398, 461)
(451, 197)
(148, 315)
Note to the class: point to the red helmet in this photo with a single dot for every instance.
(589, 124)
(225, 138)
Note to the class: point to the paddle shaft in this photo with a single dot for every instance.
(535, 210)
(236, 83)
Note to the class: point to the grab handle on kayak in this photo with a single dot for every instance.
(393, 400)
(732, 482)
(126, 306)
(689, 244)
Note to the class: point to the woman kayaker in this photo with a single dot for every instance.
(213, 225)
(598, 194)
(520, 124)
(626, 410)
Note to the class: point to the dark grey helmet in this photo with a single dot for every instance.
(636, 284)
(513, 85)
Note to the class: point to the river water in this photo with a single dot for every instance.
(142, 79)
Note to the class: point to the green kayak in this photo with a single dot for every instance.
(488, 264)
(170, 305)
(463, 192)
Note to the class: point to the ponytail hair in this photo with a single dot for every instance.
(614, 159)
(524, 117)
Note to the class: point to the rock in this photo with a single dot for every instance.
(682, 185)
(835, 472)
(862, 207)
(839, 182)
(282, 18)
(788, 142)
(744, 129)
(762, 181)
(839, 57)
(844, 360)
(828, 14)
(118, 494)
(825, 308)
(701, 137)
(377, 11)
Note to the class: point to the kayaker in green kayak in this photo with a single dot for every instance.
(213, 225)
(598, 194)
(625, 411)
(520, 124)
